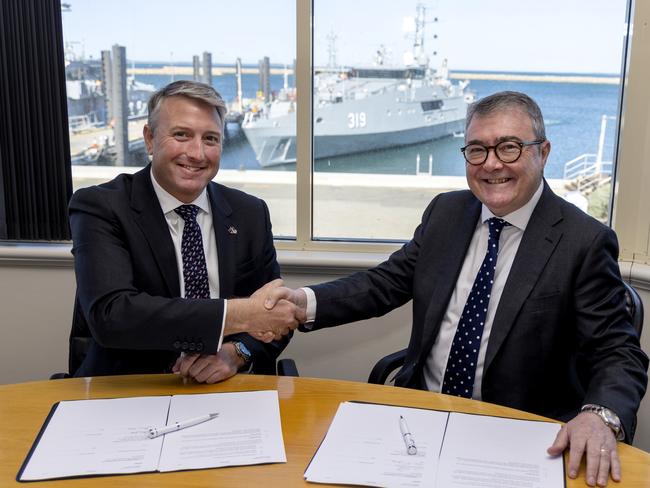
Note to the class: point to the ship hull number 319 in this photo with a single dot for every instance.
(356, 120)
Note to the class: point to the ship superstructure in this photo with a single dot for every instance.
(361, 109)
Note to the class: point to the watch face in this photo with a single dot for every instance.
(244, 349)
(611, 418)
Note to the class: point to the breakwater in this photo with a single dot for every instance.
(458, 75)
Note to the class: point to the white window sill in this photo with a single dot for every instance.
(58, 255)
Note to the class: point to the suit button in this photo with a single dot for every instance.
(177, 345)
(199, 346)
(192, 346)
(184, 345)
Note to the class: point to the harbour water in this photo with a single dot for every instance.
(572, 112)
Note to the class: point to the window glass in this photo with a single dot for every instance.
(163, 41)
(392, 81)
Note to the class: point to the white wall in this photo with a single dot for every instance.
(35, 318)
(36, 305)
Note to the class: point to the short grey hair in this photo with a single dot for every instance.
(185, 88)
(506, 100)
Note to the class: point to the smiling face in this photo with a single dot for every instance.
(186, 146)
(504, 188)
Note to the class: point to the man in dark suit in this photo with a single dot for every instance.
(545, 329)
(159, 254)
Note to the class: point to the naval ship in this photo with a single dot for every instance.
(362, 109)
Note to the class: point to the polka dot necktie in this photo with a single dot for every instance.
(461, 365)
(195, 271)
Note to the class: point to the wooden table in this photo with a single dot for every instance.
(307, 406)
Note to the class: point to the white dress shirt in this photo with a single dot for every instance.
(175, 225)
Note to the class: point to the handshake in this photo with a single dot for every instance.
(268, 314)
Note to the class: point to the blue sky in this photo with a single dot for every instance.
(582, 36)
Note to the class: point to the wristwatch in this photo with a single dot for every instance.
(242, 351)
(610, 418)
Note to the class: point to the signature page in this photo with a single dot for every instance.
(494, 452)
(94, 437)
(364, 446)
(247, 431)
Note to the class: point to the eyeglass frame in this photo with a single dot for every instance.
(521, 145)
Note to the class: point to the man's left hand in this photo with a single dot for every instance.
(588, 435)
(210, 368)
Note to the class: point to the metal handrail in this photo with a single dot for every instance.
(586, 165)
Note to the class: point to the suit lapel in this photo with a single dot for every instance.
(151, 220)
(226, 235)
(537, 244)
(448, 258)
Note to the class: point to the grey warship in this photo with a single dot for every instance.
(362, 109)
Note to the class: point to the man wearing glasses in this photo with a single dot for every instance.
(517, 295)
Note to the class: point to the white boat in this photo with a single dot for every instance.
(361, 109)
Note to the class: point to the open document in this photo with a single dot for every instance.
(391, 446)
(112, 436)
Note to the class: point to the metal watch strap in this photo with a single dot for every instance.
(604, 413)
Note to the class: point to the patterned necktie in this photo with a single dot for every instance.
(463, 356)
(195, 271)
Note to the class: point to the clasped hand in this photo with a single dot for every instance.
(276, 299)
(254, 316)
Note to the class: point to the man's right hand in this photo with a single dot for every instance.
(275, 298)
(297, 297)
(252, 316)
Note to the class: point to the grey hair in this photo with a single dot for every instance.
(505, 100)
(186, 88)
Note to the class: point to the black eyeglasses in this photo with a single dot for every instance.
(506, 151)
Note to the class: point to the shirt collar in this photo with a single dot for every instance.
(169, 202)
(520, 217)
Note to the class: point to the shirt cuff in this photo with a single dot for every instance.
(223, 324)
(311, 307)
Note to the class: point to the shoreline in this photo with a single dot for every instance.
(455, 75)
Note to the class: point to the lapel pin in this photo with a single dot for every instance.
(232, 230)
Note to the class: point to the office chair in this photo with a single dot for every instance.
(386, 365)
(80, 338)
(79, 342)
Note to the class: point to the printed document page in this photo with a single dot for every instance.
(494, 452)
(86, 438)
(247, 431)
(364, 446)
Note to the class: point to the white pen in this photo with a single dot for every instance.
(406, 435)
(154, 432)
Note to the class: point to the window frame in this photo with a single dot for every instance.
(628, 216)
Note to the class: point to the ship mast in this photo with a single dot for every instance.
(331, 50)
(418, 42)
(420, 58)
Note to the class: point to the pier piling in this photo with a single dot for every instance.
(196, 68)
(120, 107)
(207, 68)
(107, 84)
(265, 78)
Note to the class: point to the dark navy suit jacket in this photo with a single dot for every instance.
(561, 336)
(128, 291)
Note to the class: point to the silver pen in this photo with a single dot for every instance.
(406, 435)
(154, 432)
